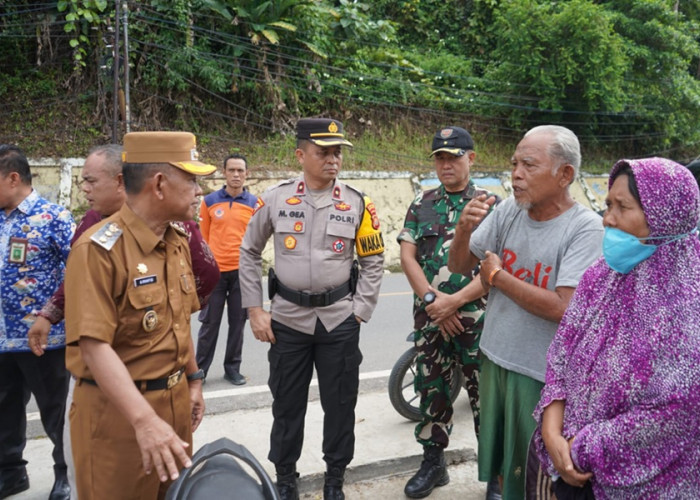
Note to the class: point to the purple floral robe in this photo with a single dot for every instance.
(626, 357)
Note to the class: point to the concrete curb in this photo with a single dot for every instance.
(384, 468)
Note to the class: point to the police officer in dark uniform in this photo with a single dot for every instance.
(319, 298)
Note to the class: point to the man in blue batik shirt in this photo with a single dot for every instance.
(34, 244)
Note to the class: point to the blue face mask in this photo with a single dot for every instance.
(623, 251)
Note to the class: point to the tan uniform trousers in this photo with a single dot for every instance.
(108, 462)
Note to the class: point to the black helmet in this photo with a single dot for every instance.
(216, 473)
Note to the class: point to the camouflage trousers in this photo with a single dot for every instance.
(435, 363)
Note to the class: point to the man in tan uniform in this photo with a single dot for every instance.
(318, 302)
(130, 292)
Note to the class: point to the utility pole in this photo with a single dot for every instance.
(127, 114)
(115, 74)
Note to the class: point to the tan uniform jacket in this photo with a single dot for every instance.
(314, 250)
(116, 295)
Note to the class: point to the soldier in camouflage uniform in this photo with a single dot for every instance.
(448, 308)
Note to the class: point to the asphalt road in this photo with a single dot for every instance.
(383, 338)
(382, 341)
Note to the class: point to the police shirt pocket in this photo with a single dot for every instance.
(339, 239)
(147, 301)
(291, 231)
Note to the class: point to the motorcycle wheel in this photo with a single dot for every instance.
(402, 395)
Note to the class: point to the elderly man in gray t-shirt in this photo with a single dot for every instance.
(533, 250)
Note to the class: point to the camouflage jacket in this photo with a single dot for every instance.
(430, 225)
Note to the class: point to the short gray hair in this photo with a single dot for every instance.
(112, 154)
(564, 145)
(136, 175)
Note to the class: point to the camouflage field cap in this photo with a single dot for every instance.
(453, 140)
(179, 149)
(322, 132)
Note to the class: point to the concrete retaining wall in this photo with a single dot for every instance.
(392, 192)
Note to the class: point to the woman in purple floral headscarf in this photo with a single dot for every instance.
(620, 411)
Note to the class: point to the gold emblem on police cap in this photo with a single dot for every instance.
(141, 268)
(150, 321)
(332, 128)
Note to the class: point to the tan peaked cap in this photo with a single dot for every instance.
(178, 149)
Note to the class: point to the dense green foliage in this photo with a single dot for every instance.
(623, 74)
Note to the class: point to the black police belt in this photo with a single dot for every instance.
(157, 384)
(313, 299)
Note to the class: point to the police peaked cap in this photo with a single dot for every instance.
(322, 132)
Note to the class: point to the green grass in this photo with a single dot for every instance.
(394, 148)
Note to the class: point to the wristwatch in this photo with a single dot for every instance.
(429, 298)
(198, 375)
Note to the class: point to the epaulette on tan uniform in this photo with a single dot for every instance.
(180, 228)
(107, 235)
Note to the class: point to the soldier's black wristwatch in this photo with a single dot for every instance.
(429, 298)
(198, 375)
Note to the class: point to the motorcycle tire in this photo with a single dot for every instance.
(402, 395)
